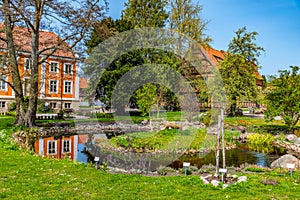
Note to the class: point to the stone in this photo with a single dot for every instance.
(297, 141)
(278, 118)
(290, 137)
(285, 159)
(204, 180)
(242, 179)
(215, 183)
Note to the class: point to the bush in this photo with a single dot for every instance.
(12, 107)
(261, 142)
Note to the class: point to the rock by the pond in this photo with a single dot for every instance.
(297, 141)
(204, 180)
(242, 179)
(215, 183)
(284, 160)
(290, 137)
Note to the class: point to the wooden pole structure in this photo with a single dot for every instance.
(218, 147)
(223, 138)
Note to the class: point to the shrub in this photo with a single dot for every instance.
(261, 142)
(12, 107)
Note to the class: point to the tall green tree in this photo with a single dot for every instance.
(185, 17)
(239, 70)
(282, 95)
(141, 13)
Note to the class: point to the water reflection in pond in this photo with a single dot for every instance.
(234, 157)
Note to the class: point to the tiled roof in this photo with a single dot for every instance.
(22, 38)
(217, 56)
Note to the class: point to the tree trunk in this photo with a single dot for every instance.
(233, 107)
(13, 66)
(32, 106)
(20, 110)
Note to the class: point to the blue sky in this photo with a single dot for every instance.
(276, 21)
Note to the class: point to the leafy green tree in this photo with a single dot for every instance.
(282, 95)
(185, 18)
(149, 13)
(240, 67)
(146, 97)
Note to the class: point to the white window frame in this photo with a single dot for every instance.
(63, 146)
(2, 104)
(66, 92)
(25, 63)
(65, 68)
(57, 84)
(50, 67)
(3, 84)
(53, 105)
(55, 147)
(67, 104)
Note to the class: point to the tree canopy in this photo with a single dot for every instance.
(282, 95)
(239, 69)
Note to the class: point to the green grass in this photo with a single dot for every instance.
(25, 176)
(168, 139)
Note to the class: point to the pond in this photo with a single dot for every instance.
(234, 158)
(82, 148)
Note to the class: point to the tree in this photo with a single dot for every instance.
(146, 97)
(145, 13)
(71, 21)
(239, 69)
(185, 18)
(137, 14)
(282, 95)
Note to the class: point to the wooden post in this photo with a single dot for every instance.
(223, 137)
(218, 147)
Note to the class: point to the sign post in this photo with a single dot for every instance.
(223, 171)
(96, 159)
(290, 167)
(186, 165)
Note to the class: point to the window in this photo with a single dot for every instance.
(53, 66)
(3, 84)
(68, 87)
(67, 105)
(28, 64)
(53, 86)
(66, 148)
(2, 104)
(68, 68)
(53, 105)
(51, 147)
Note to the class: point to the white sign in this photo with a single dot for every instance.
(223, 170)
(186, 164)
(96, 159)
(290, 166)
